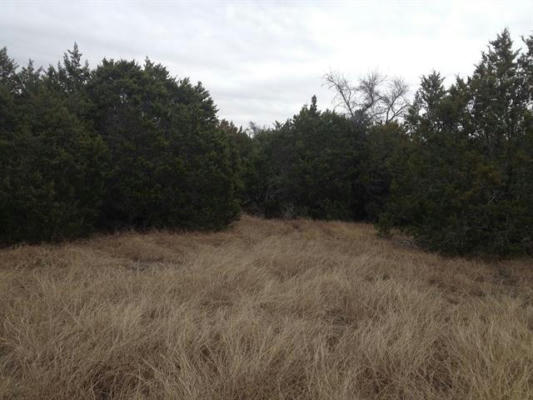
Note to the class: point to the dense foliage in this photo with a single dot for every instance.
(120, 146)
(308, 167)
(322, 165)
(455, 169)
(52, 163)
(468, 183)
(127, 145)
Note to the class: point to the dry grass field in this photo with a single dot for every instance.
(265, 310)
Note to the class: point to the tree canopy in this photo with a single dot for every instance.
(127, 145)
(119, 146)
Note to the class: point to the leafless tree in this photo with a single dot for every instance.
(375, 97)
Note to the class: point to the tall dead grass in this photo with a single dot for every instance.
(266, 310)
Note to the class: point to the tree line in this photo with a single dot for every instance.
(129, 146)
(453, 168)
(121, 146)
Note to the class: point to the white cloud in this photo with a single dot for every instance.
(262, 60)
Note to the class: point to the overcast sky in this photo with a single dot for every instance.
(263, 60)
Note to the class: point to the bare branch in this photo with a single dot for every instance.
(344, 92)
(395, 100)
(375, 98)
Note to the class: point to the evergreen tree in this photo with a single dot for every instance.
(309, 167)
(50, 182)
(171, 165)
(470, 156)
(70, 78)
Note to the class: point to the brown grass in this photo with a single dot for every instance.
(266, 310)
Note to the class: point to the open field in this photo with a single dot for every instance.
(265, 310)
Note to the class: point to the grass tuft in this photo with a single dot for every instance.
(266, 310)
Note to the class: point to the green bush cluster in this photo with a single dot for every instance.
(468, 183)
(120, 146)
(456, 172)
(129, 146)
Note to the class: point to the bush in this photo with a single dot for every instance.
(118, 147)
(170, 163)
(309, 167)
(52, 169)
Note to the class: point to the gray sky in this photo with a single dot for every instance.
(263, 60)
